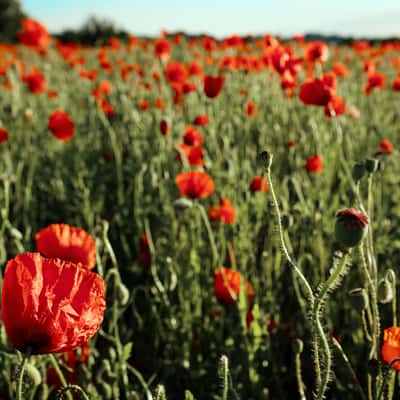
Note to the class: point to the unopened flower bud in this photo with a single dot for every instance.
(385, 291)
(359, 298)
(351, 227)
(359, 171)
(297, 346)
(33, 374)
(371, 165)
(182, 204)
(286, 221)
(266, 157)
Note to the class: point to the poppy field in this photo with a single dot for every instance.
(192, 218)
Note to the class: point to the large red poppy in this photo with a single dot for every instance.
(33, 34)
(68, 243)
(61, 125)
(50, 305)
(35, 80)
(213, 85)
(195, 184)
(315, 92)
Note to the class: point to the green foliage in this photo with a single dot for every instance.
(11, 15)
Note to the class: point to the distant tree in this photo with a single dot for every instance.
(94, 30)
(11, 15)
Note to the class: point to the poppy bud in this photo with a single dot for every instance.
(286, 221)
(266, 157)
(33, 374)
(385, 291)
(371, 165)
(351, 227)
(359, 299)
(358, 171)
(182, 204)
(297, 346)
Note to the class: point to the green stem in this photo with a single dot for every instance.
(21, 378)
(385, 377)
(299, 378)
(316, 318)
(210, 233)
(59, 374)
(70, 388)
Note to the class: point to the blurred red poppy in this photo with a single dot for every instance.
(193, 154)
(3, 135)
(164, 127)
(33, 34)
(201, 120)
(396, 84)
(35, 80)
(224, 212)
(194, 68)
(144, 250)
(376, 80)
(314, 164)
(195, 184)
(213, 85)
(316, 52)
(162, 48)
(227, 286)
(176, 73)
(192, 137)
(61, 126)
(386, 146)
(315, 92)
(259, 184)
(336, 107)
(251, 109)
(68, 243)
(50, 305)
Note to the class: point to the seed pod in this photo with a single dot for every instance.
(351, 227)
(359, 299)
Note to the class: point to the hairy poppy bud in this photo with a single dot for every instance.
(358, 171)
(359, 298)
(385, 291)
(297, 346)
(371, 165)
(182, 204)
(266, 157)
(33, 374)
(351, 227)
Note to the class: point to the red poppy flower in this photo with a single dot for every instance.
(194, 155)
(176, 73)
(68, 243)
(396, 84)
(61, 125)
(336, 107)
(391, 346)
(340, 69)
(35, 81)
(315, 92)
(209, 44)
(213, 85)
(259, 184)
(227, 286)
(162, 48)
(386, 146)
(144, 105)
(50, 305)
(33, 34)
(317, 52)
(192, 137)
(201, 120)
(314, 164)
(251, 109)
(195, 184)
(195, 69)
(376, 80)
(224, 212)
(3, 135)
(144, 250)
(164, 127)
(329, 78)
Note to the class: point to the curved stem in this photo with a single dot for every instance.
(59, 374)
(21, 378)
(72, 387)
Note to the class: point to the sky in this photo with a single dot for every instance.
(360, 18)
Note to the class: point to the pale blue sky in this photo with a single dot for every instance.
(224, 17)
